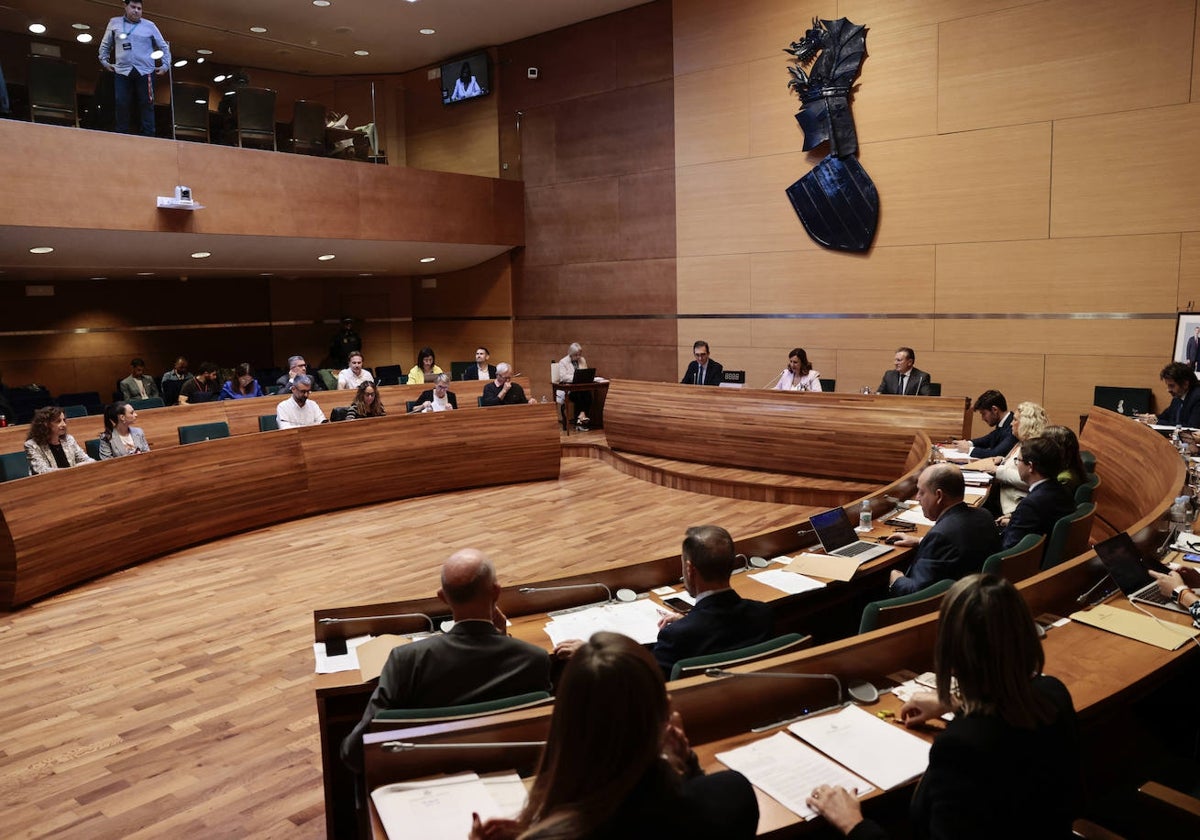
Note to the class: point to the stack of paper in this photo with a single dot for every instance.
(786, 581)
(638, 620)
(347, 661)
(977, 477)
(440, 809)
(951, 453)
(883, 753)
(914, 516)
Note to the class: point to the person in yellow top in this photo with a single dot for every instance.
(425, 369)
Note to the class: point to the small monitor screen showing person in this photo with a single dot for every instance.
(465, 78)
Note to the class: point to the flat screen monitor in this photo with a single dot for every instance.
(466, 78)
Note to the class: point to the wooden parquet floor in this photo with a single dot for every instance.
(175, 699)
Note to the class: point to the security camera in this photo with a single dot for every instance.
(531, 72)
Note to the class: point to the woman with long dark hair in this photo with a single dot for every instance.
(367, 403)
(121, 437)
(425, 369)
(241, 384)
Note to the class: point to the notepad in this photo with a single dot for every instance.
(1142, 628)
(440, 809)
(786, 581)
(883, 753)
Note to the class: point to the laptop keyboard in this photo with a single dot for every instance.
(854, 549)
(1154, 595)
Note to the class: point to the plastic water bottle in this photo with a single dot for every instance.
(1179, 510)
(864, 516)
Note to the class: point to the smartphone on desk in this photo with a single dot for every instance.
(678, 604)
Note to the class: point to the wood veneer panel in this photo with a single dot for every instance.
(1060, 59)
(716, 283)
(1019, 376)
(646, 206)
(468, 147)
(894, 280)
(1074, 337)
(618, 132)
(712, 114)
(1060, 275)
(886, 15)
(1100, 188)
(1071, 380)
(573, 222)
(481, 290)
(876, 338)
(623, 287)
(710, 33)
(1189, 270)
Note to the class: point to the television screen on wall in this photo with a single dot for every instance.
(465, 78)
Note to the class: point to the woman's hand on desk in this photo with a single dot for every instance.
(565, 649)
(494, 829)
(838, 805)
(923, 706)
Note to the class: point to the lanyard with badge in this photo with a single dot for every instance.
(126, 44)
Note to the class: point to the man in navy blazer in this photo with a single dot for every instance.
(1184, 389)
(721, 620)
(1048, 501)
(961, 538)
(481, 367)
(993, 409)
(904, 378)
(703, 371)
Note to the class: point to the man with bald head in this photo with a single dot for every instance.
(961, 538)
(476, 661)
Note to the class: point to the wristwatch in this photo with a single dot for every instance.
(1177, 593)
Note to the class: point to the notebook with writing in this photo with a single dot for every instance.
(1127, 569)
(838, 537)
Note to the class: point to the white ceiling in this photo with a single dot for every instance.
(300, 38)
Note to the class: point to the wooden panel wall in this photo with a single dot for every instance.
(1038, 190)
(462, 137)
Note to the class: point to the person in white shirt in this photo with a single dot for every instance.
(354, 375)
(296, 410)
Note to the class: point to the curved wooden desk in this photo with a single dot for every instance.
(62, 528)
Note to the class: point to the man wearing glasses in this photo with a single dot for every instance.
(703, 371)
(296, 410)
(297, 366)
(1048, 501)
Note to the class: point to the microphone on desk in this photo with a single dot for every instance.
(1086, 598)
(917, 390)
(337, 647)
(775, 381)
(623, 594)
(407, 746)
(715, 673)
(749, 563)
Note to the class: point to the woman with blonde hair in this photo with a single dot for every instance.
(1029, 420)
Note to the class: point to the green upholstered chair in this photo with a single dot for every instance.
(1019, 562)
(1089, 460)
(409, 405)
(149, 402)
(891, 611)
(70, 411)
(13, 465)
(467, 710)
(93, 448)
(328, 378)
(479, 401)
(1070, 535)
(1085, 491)
(694, 665)
(203, 431)
(268, 423)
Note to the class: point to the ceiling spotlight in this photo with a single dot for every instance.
(365, 274)
(200, 60)
(258, 30)
(83, 27)
(361, 52)
(203, 52)
(266, 274)
(97, 278)
(84, 38)
(219, 78)
(42, 249)
(428, 259)
(145, 274)
(201, 255)
(321, 3)
(327, 257)
(200, 101)
(37, 28)
(427, 31)
(181, 62)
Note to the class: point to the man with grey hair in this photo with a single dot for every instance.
(961, 538)
(296, 410)
(297, 366)
(504, 391)
(474, 662)
(564, 373)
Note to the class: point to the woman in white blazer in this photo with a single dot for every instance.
(48, 446)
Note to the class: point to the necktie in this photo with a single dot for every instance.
(700, 375)
(903, 382)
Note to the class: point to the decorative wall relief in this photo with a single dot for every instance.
(836, 201)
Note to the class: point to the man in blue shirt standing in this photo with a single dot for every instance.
(125, 50)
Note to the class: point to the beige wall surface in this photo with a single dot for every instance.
(1038, 191)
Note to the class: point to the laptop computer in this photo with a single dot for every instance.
(583, 376)
(837, 537)
(1125, 566)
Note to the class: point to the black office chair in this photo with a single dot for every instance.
(338, 414)
(253, 117)
(52, 90)
(388, 375)
(149, 402)
(935, 389)
(828, 384)
(308, 128)
(191, 111)
(90, 400)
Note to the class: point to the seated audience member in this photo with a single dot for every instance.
(961, 538)
(437, 398)
(48, 446)
(1048, 501)
(297, 366)
(617, 761)
(993, 410)
(120, 436)
(241, 384)
(702, 371)
(1074, 473)
(1008, 765)
(904, 378)
(1184, 409)
(1008, 488)
(481, 370)
(202, 387)
(504, 391)
(564, 372)
(178, 372)
(354, 375)
(474, 662)
(425, 368)
(367, 403)
(296, 410)
(1182, 592)
(139, 385)
(799, 374)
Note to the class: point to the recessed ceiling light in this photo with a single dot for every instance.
(84, 38)
(200, 60)
(201, 255)
(327, 257)
(200, 101)
(361, 52)
(266, 274)
(258, 30)
(428, 259)
(42, 249)
(181, 62)
(219, 78)
(145, 274)
(203, 52)
(37, 28)
(321, 3)
(366, 274)
(427, 31)
(83, 27)
(97, 278)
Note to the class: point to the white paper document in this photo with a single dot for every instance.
(787, 771)
(435, 809)
(951, 453)
(347, 661)
(785, 581)
(914, 516)
(881, 752)
(637, 620)
(977, 477)
(975, 492)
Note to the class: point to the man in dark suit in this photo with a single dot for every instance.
(1193, 349)
(703, 371)
(481, 370)
(721, 620)
(1048, 501)
(993, 409)
(1184, 409)
(437, 398)
(961, 538)
(476, 661)
(904, 378)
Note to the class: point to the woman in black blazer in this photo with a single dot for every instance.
(1008, 764)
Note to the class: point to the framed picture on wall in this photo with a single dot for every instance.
(1187, 339)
